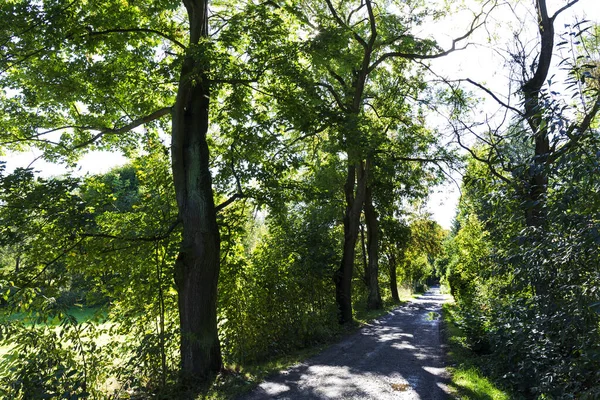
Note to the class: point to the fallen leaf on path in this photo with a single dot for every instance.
(400, 387)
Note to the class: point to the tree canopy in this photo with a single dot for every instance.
(278, 153)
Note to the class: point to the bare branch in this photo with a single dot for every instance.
(565, 7)
(486, 162)
(450, 176)
(492, 95)
(414, 56)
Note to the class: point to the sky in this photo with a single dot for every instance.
(481, 61)
(93, 163)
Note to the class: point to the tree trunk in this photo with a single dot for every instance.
(393, 278)
(18, 264)
(357, 171)
(356, 178)
(538, 184)
(197, 265)
(363, 247)
(374, 300)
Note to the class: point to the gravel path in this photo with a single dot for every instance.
(398, 356)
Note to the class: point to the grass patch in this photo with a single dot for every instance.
(81, 314)
(432, 316)
(468, 381)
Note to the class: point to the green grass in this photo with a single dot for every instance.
(95, 314)
(473, 385)
(468, 381)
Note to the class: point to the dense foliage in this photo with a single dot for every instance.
(156, 272)
(302, 144)
(107, 293)
(523, 258)
(541, 342)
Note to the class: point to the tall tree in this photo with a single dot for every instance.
(197, 265)
(554, 126)
(541, 120)
(353, 45)
(105, 75)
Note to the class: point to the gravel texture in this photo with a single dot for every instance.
(399, 356)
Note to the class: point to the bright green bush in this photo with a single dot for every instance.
(526, 294)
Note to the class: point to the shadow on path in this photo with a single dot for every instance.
(398, 356)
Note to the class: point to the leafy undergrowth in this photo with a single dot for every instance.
(238, 380)
(468, 380)
(81, 314)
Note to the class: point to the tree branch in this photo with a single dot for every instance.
(227, 202)
(565, 7)
(154, 238)
(343, 25)
(138, 30)
(414, 56)
(486, 162)
(489, 92)
(133, 124)
(337, 77)
(371, 24)
(331, 90)
(47, 265)
(238, 195)
(357, 9)
(579, 130)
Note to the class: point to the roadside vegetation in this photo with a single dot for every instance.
(280, 155)
(470, 378)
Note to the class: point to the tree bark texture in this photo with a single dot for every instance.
(538, 182)
(393, 278)
(363, 246)
(355, 178)
(374, 301)
(197, 265)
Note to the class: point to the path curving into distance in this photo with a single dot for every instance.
(399, 356)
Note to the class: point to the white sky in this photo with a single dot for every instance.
(479, 61)
(482, 62)
(94, 162)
